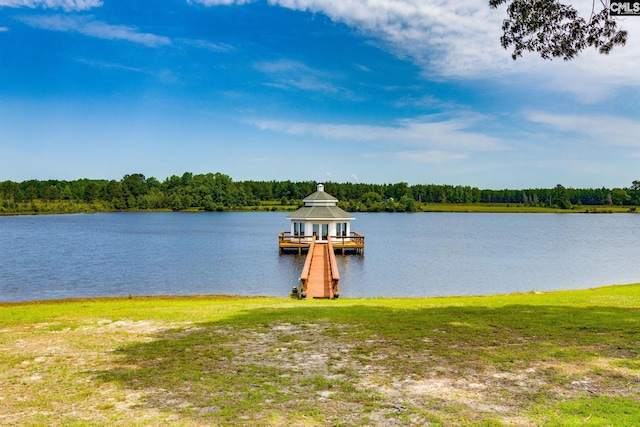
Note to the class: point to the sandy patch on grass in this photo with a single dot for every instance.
(49, 377)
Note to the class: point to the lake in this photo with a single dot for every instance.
(406, 255)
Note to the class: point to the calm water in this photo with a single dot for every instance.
(60, 256)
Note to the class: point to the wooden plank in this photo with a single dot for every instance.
(319, 282)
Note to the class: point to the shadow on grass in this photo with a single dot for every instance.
(355, 365)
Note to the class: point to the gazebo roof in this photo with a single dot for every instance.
(320, 205)
(321, 212)
(319, 196)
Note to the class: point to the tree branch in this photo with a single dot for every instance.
(556, 30)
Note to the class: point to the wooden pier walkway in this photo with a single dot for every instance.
(319, 278)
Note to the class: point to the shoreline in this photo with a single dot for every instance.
(257, 298)
(423, 208)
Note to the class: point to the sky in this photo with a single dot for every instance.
(372, 91)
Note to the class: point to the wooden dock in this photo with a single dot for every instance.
(353, 243)
(320, 277)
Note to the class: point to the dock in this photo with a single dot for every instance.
(353, 243)
(320, 228)
(320, 276)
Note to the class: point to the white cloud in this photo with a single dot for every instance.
(282, 66)
(207, 45)
(461, 39)
(602, 129)
(3, 29)
(426, 132)
(67, 5)
(431, 156)
(108, 65)
(593, 77)
(294, 75)
(98, 29)
(448, 38)
(219, 2)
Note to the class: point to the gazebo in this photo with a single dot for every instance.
(320, 217)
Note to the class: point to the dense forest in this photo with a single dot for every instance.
(218, 192)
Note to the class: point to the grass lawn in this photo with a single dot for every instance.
(517, 208)
(559, 358)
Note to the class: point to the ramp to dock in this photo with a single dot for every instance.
(320, 273)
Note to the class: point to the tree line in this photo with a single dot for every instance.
(218, 192)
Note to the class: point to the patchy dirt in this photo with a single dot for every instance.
(49, 377)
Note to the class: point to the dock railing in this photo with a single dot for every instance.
(354, 236)
(335, 275)
(354, 241)
(288, 241)
(287, 237)
(304, 276)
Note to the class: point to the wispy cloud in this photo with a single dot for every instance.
(450, 38)
(109, 65)
(431, 156)
(294, 75)
(161, 75)
(447, 38)
(461, 39)
(430, 132)
(207, 45)
(424, 101)
(67, 5)
(602, 129)
(3, 29)
(219, 2)
(92, 28)
(593, 77)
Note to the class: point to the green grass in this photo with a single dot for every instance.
(68, 206)
(557, 358)
(518, 208)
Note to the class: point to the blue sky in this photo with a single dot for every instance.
(373, 91)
